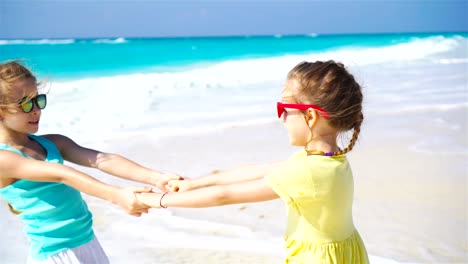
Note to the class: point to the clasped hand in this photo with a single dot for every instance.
(154, 199)
(132, 201)
(126, 198)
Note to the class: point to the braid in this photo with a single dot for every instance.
(352, 142)
(12, 209)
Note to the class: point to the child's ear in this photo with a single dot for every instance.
(311, 117)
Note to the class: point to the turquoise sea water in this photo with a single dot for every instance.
(238, 76)
(77, 58)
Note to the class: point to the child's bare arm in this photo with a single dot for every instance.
(244, 192)
(240, 174)
(14, 166)
(110, 163)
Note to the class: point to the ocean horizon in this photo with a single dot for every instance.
(70, 58)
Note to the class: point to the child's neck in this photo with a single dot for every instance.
(323, 143)
(16, 139)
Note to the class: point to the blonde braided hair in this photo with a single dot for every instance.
(330, 86)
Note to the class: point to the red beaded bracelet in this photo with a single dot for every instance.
(160, 200)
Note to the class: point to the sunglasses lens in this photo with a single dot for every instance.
(41, 101)
(27, 106)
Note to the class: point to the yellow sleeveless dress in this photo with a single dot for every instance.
(318, 193)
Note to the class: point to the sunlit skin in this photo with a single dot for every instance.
(307, 128)
(15, 123)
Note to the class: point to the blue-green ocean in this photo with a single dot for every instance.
(181, 85)
(79, 58)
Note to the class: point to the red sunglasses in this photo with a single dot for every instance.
(281, 108)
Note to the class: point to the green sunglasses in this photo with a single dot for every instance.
(28, 106)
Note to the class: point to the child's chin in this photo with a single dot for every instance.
(33, 130)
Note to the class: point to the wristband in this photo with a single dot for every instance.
(160, 200)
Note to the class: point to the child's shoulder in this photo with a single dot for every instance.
(298, 155)
(52, 142)
(52, 137)
(301, 160)
(10, 158)
(298, 161)
(57, 139)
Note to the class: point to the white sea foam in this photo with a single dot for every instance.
(38, 42)
(110, 41)
(400, 79)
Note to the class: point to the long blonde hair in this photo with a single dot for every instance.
(330, 86)
(10, 72)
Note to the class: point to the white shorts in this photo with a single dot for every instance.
(89, 253)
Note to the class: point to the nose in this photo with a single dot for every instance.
(36, 110)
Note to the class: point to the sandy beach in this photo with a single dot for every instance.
(409, 206)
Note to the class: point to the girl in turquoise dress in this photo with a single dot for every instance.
(43, 191)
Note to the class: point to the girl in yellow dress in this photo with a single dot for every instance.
(320, 100)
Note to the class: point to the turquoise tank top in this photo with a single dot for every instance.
(55, 215)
